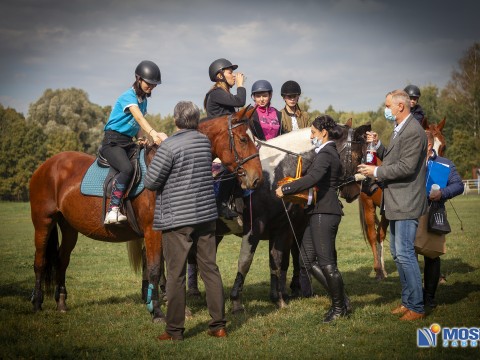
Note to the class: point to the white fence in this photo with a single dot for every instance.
(471, 187)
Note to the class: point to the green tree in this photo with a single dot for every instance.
(430, 103)
(460, 152)
(22, 150)
(460, 102)
(69, 112)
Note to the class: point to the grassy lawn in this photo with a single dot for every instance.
(107, 319)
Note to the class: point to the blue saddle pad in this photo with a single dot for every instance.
(92, 183)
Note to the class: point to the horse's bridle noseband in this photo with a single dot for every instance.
(239, 170)
(347, 162)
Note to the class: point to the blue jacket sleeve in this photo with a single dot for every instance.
(454, 184)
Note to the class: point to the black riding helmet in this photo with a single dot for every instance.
(412, 91)
(290, 87)
(149, 71)
(219, 65)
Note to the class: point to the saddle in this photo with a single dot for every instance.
(99, 178)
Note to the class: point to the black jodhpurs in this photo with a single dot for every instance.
(318, 243)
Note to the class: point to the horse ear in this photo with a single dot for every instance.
(441, 124)
(361, 130)
(425, 123)
(245, 112)
(349, 123)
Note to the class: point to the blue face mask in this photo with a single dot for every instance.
(388, 115)
(315, 142)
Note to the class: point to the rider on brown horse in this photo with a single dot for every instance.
(126, 120)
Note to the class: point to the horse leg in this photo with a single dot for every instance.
(153, 254)
(382, 231)
(192, 273)
(247, 252)
(295, 286)
(46, 255)
(370, 221)
(69, 240)
(277, 276)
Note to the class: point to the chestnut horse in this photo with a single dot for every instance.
(374, 229)
(56, 199)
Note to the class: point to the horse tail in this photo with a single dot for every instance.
(135, 248)
(363, 223)
(51, 259)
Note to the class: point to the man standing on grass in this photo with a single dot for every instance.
(186, 213)
(404, 199)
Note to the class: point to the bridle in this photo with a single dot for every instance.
(347, 161)
(239, 170)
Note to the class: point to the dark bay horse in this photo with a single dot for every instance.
(269, 221)
(56, 199)
(374, 229)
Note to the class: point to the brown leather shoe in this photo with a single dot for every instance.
(399, 310)
(220, 333)
(412, 316)
(167, 336)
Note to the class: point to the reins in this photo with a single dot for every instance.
(239, 170)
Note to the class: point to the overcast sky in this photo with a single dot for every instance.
(345, 53)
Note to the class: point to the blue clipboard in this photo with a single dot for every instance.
(437, 173)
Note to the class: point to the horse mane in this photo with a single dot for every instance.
(245, 112)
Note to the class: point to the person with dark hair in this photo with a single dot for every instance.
(404, 198)
(125, 121)
(186, 213)
(318, 253)
(454, 187)
(415, 109)
(266, 122)
(293, 117)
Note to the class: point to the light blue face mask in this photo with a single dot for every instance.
(388, 115)
(315, 142)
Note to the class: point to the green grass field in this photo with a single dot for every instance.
(107, 319)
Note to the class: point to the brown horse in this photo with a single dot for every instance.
(56, 199)
(374, 229)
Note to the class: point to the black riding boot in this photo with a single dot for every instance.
(431, 275)
(317, 273)
(335, 285)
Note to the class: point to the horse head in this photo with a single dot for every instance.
(351, 147)
(436, 129)
(233, 144)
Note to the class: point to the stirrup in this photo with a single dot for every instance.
(114, 216)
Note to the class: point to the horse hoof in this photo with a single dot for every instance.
(188, 313)
(237, 311)
(159, 320)
(237, 307)
(194, 293)
(281, 304)
(380, 276)
(62, 309)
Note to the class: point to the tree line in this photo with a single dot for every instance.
(65, 119)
